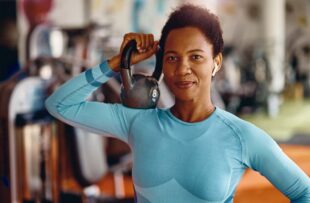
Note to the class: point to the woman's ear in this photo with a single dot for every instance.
(217, 64)
(215, 68)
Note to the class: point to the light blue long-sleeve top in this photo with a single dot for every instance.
(176, 161)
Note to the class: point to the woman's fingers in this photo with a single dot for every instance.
(144, 41)
(151, 39)
(146, 46)
(152, 50)
(127, 37)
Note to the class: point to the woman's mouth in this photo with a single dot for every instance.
(184, 84)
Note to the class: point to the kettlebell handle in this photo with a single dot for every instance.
(125, 64)
(126, 54)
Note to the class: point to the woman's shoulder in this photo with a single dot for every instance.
(253, 139)
(232, 120)
(247, 131)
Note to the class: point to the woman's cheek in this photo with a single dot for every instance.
(168, 81)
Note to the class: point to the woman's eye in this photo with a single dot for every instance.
(197, 57)
(171, 58)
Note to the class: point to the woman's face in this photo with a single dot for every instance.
(188, 63)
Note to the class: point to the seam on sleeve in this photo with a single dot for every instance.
(73, 92)
(237, 133)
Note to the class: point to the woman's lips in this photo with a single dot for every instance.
(184, 84)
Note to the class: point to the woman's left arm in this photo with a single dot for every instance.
(262, 153)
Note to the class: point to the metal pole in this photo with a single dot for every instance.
(274, 38)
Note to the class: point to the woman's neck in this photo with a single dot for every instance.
(191, 111)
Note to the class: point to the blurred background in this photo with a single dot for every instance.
(265, 79)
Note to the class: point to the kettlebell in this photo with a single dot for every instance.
(138, 91)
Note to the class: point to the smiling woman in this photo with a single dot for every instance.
(188, 68)
(192, 152)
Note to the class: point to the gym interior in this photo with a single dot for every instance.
(265, 79)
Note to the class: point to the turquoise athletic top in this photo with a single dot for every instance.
(176, 161)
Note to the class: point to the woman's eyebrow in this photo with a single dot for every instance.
(190, 51)
(195, 50)
(170, 52)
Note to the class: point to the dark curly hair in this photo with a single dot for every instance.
(188, 15)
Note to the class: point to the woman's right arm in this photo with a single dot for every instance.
(69, 103)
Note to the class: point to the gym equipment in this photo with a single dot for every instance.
(89, 155)
(138, 91)
(27, 133)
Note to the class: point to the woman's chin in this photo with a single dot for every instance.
(185, 97)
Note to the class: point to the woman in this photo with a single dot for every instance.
(192, 152)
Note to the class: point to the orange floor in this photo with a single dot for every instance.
(255, 188)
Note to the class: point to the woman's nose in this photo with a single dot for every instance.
(184, 68)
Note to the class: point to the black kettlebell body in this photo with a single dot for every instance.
(143, 94)
(138, 91)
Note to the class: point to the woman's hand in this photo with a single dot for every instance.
(146, 47)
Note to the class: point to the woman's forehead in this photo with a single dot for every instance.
(187, 39)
